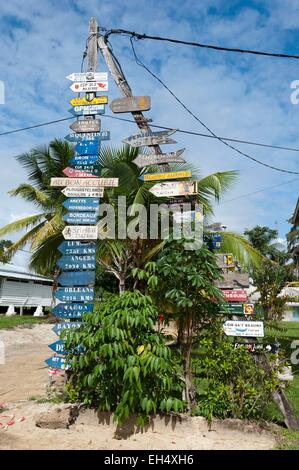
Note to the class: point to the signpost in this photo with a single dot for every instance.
(80, 232)
(89, 169)
(77, 262)
(258, 347)
(83, 192)
(75, 294)
(77, 248)
(148, 139)
(87, 110)
(131, 104)
(81, 101)
(88, 147)
(95, 136)
(85, 182)
(153, 159)
(235, 295)
(244, 328)
(88, 76)
(81, 204)
(68, 310)
(86, 125)
(165, 176)
(57, 362)
(59, 327)
(73, 173)
(77, 278)
(87, 87)
(80, 218)
(58, 347)
(167, 189)
(84, 159)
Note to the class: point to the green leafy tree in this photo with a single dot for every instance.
(4, 245)
(125, 366)
(264, 239)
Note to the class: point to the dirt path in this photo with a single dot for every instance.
(25, 376)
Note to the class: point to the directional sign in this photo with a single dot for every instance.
(153, 159)
(71, 311)
(57, 362)
(80, 218)
(75, 294)
(71, 172)
(233, 279)
(80, 232)
(244, 328)
(59, 327)
(183, 188)
(95, 136)
(77, 248)
(85, 182)
(87, 110)
(153, 138)
(88, 147)
(84, 160)
(165, 176)
(85, 102)
(225, 260)
(131, 104)
(77, 262)
(83, 192)
(88, 76)
(58, 347)
(86, 87)
(235, 295)
(258, 347)
(81, 204)
(86, 125)
(94, 170)
(77, 278)
(236, 308)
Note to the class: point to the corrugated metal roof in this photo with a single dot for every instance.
(18, 272)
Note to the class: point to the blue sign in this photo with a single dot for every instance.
(82, 204)
(88, 147)
(84, 160)
(58, 347)
(57, 362)
(75, 247)
(71, 311)
(77, 278)
(77, 262)
(59, 327)
(75, 294)
(81, 218)
(93, 109)
(96, 136)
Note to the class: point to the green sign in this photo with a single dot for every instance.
(235, 308)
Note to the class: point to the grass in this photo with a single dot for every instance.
(288, 329)
(16, 320)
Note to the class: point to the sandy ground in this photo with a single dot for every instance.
(24, 375)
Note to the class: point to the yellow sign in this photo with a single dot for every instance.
(166, 176)
(229, 260)
(84, 102)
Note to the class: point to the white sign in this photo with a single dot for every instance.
(175, 188)
(88, 77)
(80, 232)
(87, 87)
(83, 192)
(85, 182)
(254, 329)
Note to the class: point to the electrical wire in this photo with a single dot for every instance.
(141, 64)
(35, 126)
(197, 44)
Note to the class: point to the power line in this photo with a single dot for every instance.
(35, 126)
(197, 44)
(141, 64)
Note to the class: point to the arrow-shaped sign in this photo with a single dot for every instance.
(84, 160)
(77, 248)
(94, 170)
(254, 329)
(87, 87)
(83, 192)
(59, 327)
(71, 311)
(75, 294)
(80, 218)
(153, 159)
(57, 362)
(87, 110)
(85, 182)
(81, 204)
(81, 101)
(131, 104)
(77, 262)
(58, 347)
(88, 147)
(72, 173)
(165, 176)
(86, 125)
(88, 76)
(95, 136)
(80, 232)
(77, 278)
(148, 139)
(174, 188)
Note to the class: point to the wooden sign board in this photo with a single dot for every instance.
(87, 87)
(131, 104)
(233, 280)
(81, 101)
(85, 182)
(148, 139)
(88, 76)
(167, 189)
(83, 192)
(80, 232)
(254, 329)
(235, 295)
(156, 159)
(86, 125)
(166, 176)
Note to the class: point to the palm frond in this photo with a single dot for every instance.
(51, 228)
(242, 249)
(21, 224)
(27, 237)
(31, 194)
(216, 184)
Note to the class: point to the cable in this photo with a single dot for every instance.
(36, 125)
(197, 44)
(141, 64)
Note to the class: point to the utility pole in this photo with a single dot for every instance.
(92, 53)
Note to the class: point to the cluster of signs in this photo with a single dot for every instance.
(83, 188)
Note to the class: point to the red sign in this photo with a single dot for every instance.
(72, 173)
(235, 295)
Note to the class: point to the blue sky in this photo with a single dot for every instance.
(240, 96)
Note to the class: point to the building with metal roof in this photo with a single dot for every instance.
(293, 239)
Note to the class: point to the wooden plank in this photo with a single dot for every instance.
(86, 125)
(85, 182)
(131, 104)
(233, 280)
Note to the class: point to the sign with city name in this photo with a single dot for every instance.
(81, 101)
(83, 192)
(89, 87)
(77, 278)
(235, 295)
(86, 125)
(88, 76)
(159, 159)
(84, 159)
(75, 294)
(131, 104)
(87, 110)
(148, 139)
(81, 204)
(94, 170)
(254, 329)
(85, 182)
(77, 262)
(71, 310)
(236, 308)
(58, 347)
(88, 147)
(174, 188)
(57, 362)
(165, 176)
(74, 247)
(95, 136)
(73, 173)
(59, 327)
(80, 232)
(80, 218)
